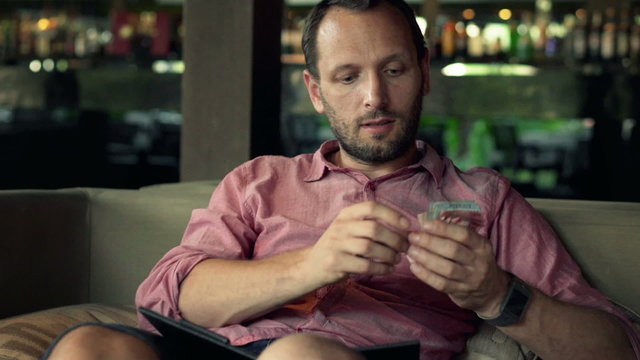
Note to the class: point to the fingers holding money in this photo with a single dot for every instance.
(456, 260)
(364, 238)
(436, 259)
(450, 256)
(466, 213)
(376, 222)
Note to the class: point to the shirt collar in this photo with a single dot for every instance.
(320, 166)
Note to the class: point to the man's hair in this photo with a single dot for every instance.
(312, 22)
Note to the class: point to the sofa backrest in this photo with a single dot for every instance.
(70, 246)
(604, 238)
(132, 229)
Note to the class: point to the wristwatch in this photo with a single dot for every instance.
(514, 304)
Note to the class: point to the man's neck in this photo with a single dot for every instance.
(343, 160)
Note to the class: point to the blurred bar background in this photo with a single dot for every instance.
(92, 93)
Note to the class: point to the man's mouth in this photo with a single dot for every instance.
(380, 122)
(378, 127)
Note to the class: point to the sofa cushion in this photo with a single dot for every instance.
(26, 337)
(489, 343)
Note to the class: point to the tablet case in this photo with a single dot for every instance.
(195, 342)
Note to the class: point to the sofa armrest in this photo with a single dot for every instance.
(44, 251)
(604, 239)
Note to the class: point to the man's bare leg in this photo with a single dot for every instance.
(308, 347)
(96, 342)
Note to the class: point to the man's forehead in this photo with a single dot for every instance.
(339, 18)
(345, 29)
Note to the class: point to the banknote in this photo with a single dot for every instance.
(466, 212)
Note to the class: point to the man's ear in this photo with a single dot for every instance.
(313, 88)
(426, 77)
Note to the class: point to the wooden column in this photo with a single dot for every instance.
(231, 85)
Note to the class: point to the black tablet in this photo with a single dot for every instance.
(409, 350)
(195, 342)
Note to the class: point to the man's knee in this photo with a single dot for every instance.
(307, 346)
(93, 341)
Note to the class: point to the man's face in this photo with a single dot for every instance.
(371, 84)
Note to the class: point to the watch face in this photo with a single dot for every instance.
(518, 300)
(514, 304)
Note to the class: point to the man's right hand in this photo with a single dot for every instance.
(365, 238)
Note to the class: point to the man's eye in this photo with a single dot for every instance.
(347, 79)
(394, 72)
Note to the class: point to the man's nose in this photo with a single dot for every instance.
(376, 96)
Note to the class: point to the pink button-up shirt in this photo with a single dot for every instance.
(274, 204)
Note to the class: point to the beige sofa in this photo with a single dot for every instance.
(74, 255)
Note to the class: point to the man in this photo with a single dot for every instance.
(324, 251)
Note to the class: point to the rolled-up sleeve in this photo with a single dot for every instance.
(222, 230)
(526, 245)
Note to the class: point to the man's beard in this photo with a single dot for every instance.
(381, 151)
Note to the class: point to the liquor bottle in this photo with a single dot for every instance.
(461, 41)
(42, 45)
(553, 45)
(525, 44)
(541, 26)
(595, 30)
(122, 32)
(58, 37)
(475, 45)
(497, 52)
(80, 44)
(6, 40)
(449, 40)
(514, 40)
(579, 41)
(42, 36)
(25, 36)
(161, 35)
(435, 38)
(608, 37)
(69, 42)
(11, 32)
(622, 36)
(634, 38)
(92, 35)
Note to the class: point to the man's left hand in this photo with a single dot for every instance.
(459, 262)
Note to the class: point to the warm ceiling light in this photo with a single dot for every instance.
(468, 14)
(505, 14)
(43, 24)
